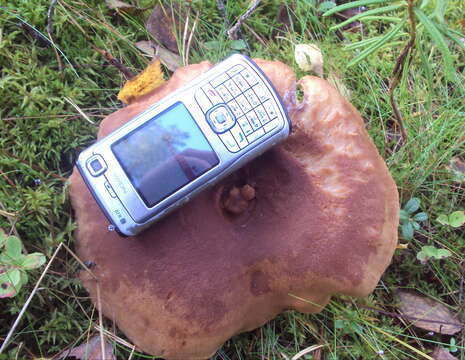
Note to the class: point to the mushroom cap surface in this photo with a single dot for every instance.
(312, 217)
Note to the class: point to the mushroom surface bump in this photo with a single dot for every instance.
(313, 217)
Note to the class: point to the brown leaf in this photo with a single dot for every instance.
(428, 314)
(123, 7)
(91, 350)
(457, 168)
(143, 83)
(162, 24)
(442, 354)
(168, 58)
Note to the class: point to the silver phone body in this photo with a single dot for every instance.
(123, 195)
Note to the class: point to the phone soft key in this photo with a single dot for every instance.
(180, 145)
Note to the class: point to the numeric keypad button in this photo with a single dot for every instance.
(262, 115)
(246, 128)
(262, 94)
(251, 79)
(252, 98)
(224, 93)
(233, 89)
(269, 107)
(240, 82)
(253, 120)
(235, 108)
(243, 103)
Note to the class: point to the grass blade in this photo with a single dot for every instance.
(454, 36)
(440, 42)
(381, 10)
(440, 10)
(353, 4)
(372, 48)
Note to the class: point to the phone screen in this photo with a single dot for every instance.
(164, 154)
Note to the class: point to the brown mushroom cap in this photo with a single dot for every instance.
(322, 220)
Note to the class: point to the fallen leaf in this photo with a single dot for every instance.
(168, 58)
(442, 354)
(163, 24)
(91, 350)
(457, 167)
(309, 58)
(402, 246)
(123, 7)
(428, 314)
(143, 83)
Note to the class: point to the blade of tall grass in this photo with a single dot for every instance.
(353, 4)
(372, 48)
(365, 14)
(440, 42)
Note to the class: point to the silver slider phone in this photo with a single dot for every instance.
(180, 145)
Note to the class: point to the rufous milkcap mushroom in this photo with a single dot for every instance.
(314, 216)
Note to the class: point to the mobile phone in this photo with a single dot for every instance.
(180, 145)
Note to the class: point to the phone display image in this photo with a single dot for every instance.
(164, 154)
(182, 144)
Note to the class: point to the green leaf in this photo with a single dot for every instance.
(421, 216)
(10, 283)
(455, 36)
(13, 247)
(24, 278)
(383, 9)
(372, 48)
(353, 4)
(33, 261)
(238, 45)
(403, 215)
(442, 254)
(326, 5)
(416, 226)
(443, 219)
(213, 45)
(3, 238)
(427, 252)
(440, 43)
(457, 218)
(412, 205)
(339, 324)
(407, 231)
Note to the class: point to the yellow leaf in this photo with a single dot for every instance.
(143, 83)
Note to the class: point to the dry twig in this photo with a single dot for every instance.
(115, 62)
(233, 32)
(403, 59)
(51, 11)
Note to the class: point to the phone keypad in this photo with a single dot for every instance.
(238, 107)
(224, 93)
